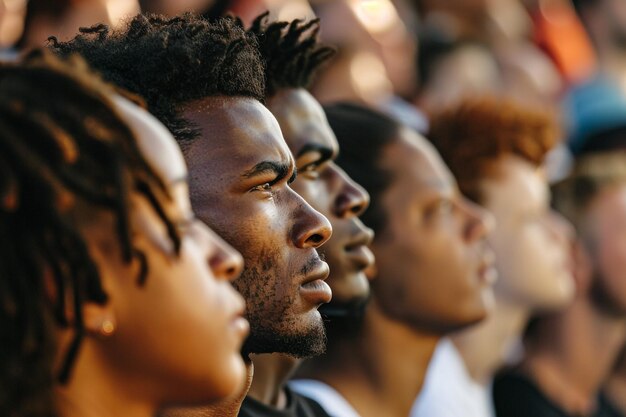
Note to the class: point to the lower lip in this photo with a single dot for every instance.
(488, 275)
(316, 292)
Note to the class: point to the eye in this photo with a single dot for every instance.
(441, 207)
(310, 171)
(444, 206)
(267, 187)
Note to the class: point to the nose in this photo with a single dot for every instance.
(310, 228)
(225, 262)
(352, 199)
(480, 221)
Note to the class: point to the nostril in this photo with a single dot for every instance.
(232, 272)
(357, 209)
(315, 239)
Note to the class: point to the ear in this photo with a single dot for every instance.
(583, 267)
(99, 319)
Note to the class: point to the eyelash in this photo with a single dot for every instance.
(267, 187)
(311, 169)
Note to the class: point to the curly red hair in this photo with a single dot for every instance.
(473, 135)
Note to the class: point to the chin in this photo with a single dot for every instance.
(231, 381)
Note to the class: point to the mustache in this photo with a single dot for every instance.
(312, 263)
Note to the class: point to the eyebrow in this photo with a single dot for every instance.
(325, 152)
(280, 169)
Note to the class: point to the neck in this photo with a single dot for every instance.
(94, 390)
(559, 359)
(486, 346)
(381, 370)
(271, 372)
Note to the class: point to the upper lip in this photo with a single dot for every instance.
(363, 238)
(240, 310)
(488, 260)
(320, 271)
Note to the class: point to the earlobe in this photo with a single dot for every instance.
(99, 319)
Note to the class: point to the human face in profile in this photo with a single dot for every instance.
(178, 335)
(328, 189)
(432, 255)
(240, 171)
(535, 268)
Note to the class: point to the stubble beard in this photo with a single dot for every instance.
(274, 328)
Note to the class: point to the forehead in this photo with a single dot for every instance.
(236, 134)
(517, 184)
(155, 142)
(415, 164)
(302, 120)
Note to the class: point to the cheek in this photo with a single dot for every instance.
(612, 258)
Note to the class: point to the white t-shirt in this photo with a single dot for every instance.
(331, 401)
(449, 391)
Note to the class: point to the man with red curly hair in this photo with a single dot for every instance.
(496, 150)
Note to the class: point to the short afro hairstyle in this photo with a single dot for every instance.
(290, 51)
(171, 62)
(474, 134)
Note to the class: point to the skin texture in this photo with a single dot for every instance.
(257, 212)
(164, 348)
(329, 190)
(433, 249)
(535, 268)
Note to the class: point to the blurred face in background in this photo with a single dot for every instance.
(532, 243)
(434, 267)
(605, 237)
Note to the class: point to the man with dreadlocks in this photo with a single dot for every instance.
(115, 301)
(292, 56)
(205, 81)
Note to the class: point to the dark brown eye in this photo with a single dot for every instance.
(263, 187)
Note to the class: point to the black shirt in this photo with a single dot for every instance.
(297, 406)
(515, 395)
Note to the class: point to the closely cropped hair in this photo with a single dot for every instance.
(291, 52)
(474, 134)
(171, 62)
(363, 134)
(590, 175)
(63, 149)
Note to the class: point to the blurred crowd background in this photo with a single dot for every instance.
(410, 58)
(413, 57)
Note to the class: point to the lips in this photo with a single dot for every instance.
(239, 324)
(358, 252)
(314, 289)
(487, 271)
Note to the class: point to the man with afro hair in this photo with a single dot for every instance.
(205, 81)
